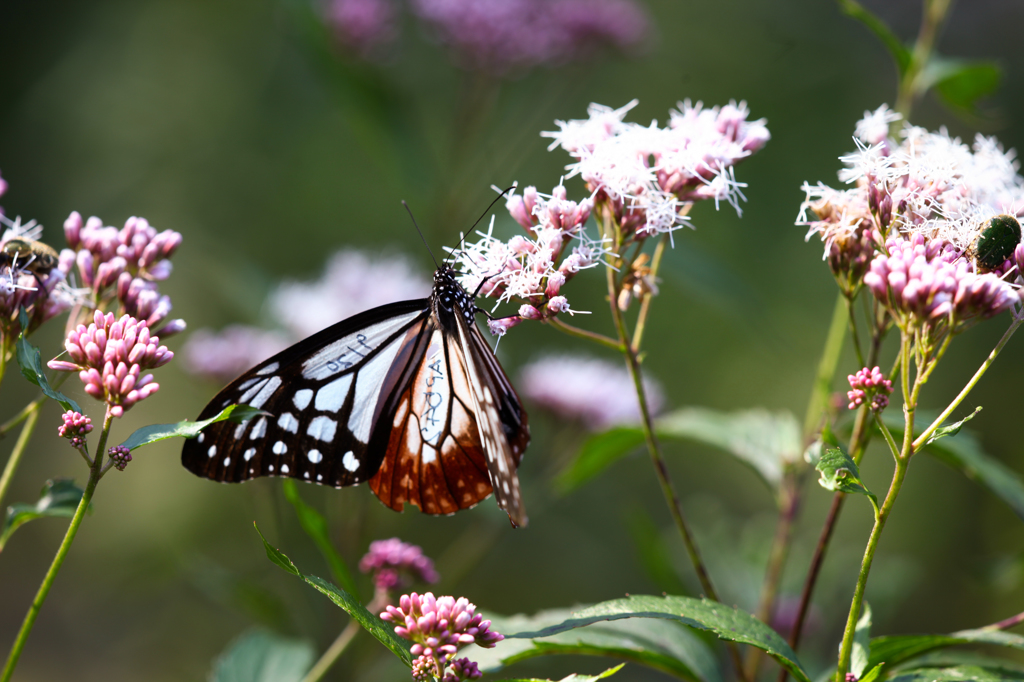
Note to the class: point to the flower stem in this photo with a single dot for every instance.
(826, 368)
(932, 17)
(645, 305)
(31, 418)
(62, 551)
(21, 416)
(1006, 623)
(333, 653)
(970, 385)
(605, 341)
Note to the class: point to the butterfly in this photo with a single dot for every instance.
(407, 396)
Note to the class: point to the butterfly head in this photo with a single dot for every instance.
(449, 299)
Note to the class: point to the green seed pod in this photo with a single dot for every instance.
(997, 241)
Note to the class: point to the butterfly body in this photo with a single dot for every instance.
(407, 396)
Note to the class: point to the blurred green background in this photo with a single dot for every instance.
(238, 125)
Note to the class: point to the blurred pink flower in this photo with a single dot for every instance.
(363, 26)
(596, 392)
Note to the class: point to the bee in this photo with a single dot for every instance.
(996, 242)
(28, 255)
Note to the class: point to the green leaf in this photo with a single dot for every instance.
(726, 622)
(59, 498)
(316, 528)
(964, 454)
(384, 633)
(861, 643)
(573, 678)
(31, 365)
(960, 82)
(960, 673)
(186, 429)
(873, 674)
(839, 473)
(660, 644)
(952, 429)
(260, 656)
(898, 50)
(765, 441)
(597, 453)
(894, 650)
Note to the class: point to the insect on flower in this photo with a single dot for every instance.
(28, 255)
(407, 396)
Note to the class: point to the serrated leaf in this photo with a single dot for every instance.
(861, 643)
(952, 429)
(960, 82)
(260, 656)
(898, 50)
(840, 473)
(964, 453)
(31, 364)
(316, 528)
(59, 498)
(960, 673)
(572, 678)
(598, 452)
(186, 429)
(371, 623)
(726, 622)
(897, 649)
(659, 644)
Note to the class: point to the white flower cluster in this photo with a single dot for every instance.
(654, 173)
(936, 184)
(532, 268)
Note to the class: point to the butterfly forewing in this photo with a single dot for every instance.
(320, 397)
(408, 396)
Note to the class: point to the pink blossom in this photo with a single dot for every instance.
(110, 356)
(364, 26)
(393, 562)
(596, 392)
(869, 383)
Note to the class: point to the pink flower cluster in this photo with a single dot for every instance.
(110, 355)
(127, 263)
(596, 392)
(363, 26)
(869, 384)
(650, 175)
(392, 562)
(510, 36)
(74, 428)
(928, 282)
(532, 268)
(438, 628)
(119, 456)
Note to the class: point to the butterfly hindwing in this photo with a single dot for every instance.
(321, 398)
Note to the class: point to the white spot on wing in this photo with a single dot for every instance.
(319, 477)
(259, 430)
(212, 451)
(264, 394)
(271, 467)
(302, 397)
(368, 385)
(289, 423)
(349, 461)
(284, 468)
(227, 461)
(252, 390)
(280, 448)
(249, 454)
(322, 428)
(429, 454)
(331, 397)
(202, 437)
(350, 350)
(314, 456)
(269, 369)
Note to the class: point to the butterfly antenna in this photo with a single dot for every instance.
(483, 215)
(409, 210)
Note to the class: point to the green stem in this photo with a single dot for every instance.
(852, 316)
(21, 416)
(31, 418)
(605, 341)
(826, 368)
(931, 21)
(970, 385)
(62, 551)
(888, 437)
(645, 304)
(333, 653)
